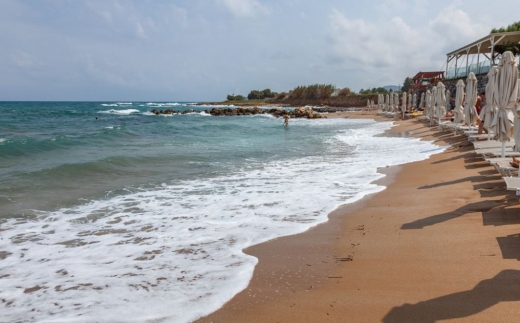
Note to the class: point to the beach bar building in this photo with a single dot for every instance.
(422, 80)
(480, 55)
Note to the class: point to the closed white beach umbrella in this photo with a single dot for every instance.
(433, 104)
(387, 101)
(506, 98)
(459, 98)
(409, 101)
(448, 98)
(489, 110)
(427, 102)
(421, 104)
(441, 102)
(470, 112)
(516, 126)
(396, 102)
(403, 105)
(391, 102)
(414, 100)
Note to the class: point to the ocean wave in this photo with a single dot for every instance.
(109, 104)
(120, 112)
(216, 106)
(176, 249)
(167, 104)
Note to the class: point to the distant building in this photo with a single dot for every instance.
(421, 80)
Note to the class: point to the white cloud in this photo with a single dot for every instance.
(104, 73)
(140, 30)
(22, 59)
(392, 49)
(455, 26)
(245, 8)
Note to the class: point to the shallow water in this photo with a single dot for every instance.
(135, 217)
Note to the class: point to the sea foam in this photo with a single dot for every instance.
(120, 112)
(174, 252)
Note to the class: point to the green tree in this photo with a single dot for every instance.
(407, 84)
(255, 95)
(344, 92)
(232, 97)
(268, 94)
(513, 27)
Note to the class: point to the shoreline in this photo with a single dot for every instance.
(370, 258)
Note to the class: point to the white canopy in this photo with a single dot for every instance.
(488, 111)
(459, 98)
(427, 102)
(448, 98)
(470, 112)
(403, 105)
(421, 104)
(506, 98)
(440, 110)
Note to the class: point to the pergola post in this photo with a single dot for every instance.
(457, 66)
(467, 61)
(492, 58)
(478, 57)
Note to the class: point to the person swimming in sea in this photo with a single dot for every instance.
(286, 120)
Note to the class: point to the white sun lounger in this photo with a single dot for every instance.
(482, 137)
(493, 160)
(513, 183)
(505, 169)
(492, 144)
(489, 153)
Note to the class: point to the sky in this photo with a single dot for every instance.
(203, 50)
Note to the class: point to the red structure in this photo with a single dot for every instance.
(422, 79)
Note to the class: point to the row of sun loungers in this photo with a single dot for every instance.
(491, 150)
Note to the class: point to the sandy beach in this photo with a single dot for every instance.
(441, 243)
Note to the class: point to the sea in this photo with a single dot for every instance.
(110, 213)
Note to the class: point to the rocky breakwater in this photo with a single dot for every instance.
(171, 111)
(240, 111)
(296, 113)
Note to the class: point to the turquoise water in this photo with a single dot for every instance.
(111, 213)
(54, 153)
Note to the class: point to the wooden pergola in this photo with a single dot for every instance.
(485, 46)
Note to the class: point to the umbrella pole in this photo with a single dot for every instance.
(504, 149)
(518, 190)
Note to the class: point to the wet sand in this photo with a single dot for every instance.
(441, 243)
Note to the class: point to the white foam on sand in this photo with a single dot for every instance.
(174, 253)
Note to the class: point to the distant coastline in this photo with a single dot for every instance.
(349, 101)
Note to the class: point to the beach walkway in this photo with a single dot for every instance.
(440, 244)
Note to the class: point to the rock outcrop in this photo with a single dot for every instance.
(241, 111)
